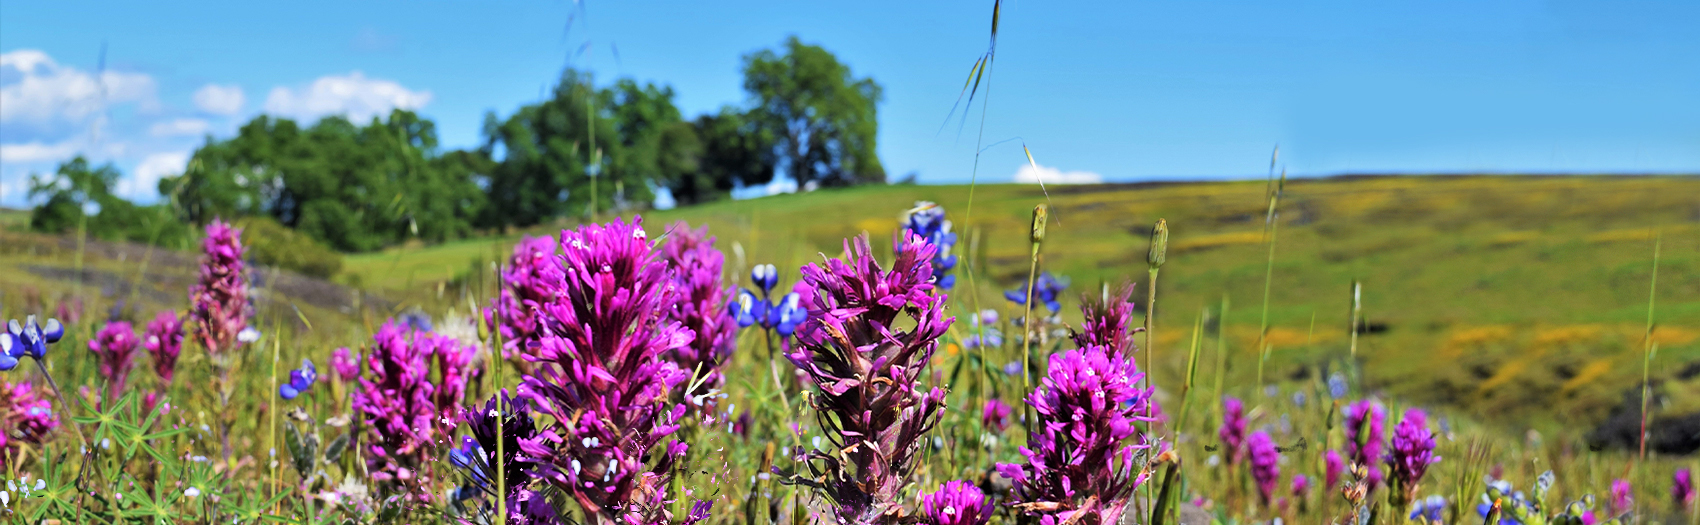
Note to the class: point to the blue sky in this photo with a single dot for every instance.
(1116, 91)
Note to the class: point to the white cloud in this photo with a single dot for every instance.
(143, 184)
(181, 127)
(354, 95)
(220, 100)
(37, 152)
(1030, 174)
(38, 90)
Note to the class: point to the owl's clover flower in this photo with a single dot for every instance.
(995, 415)
(220, 297)
(1622, 497)
(1265, 464)
(603, 376)
(477, 458)
(695, 267)
(1411, 454)
(1107, 321)
(524, 288)
(164, 341)
(1682, 488)
(1333, 467)
(1364, 434)
(956, 503)
(346, 364)
(866, 367)
(115, 347)
(1080, 466)
(455, 366)
(1232, 431)
(395, 399)
(25, 418)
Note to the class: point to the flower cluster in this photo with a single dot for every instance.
(1233, 429)
(926, 220)
(995, 415)
(1622, 497)
(115, 347)
(1265, 464)
(1429, 510)
(782, 316)
(27, 339)
(220, 298)
(395, 400)
(1411, 455)
(346, 364)
(1087, 406)
(300, 380)
(477, 458)
(956, 503)
(1364, 435)
(866, 368)
(1107, 321)
(981, 331)
(1333, 467)
(454, 363)
(695, 266)
(1046, 288)
(24, 419)
(524, 288)
(1682, 488)
(603, 377)
(164, 341)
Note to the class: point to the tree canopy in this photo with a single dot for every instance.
(824, 118)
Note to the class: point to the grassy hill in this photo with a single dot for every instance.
(1524, 295)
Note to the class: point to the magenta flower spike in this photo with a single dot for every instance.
(454, 366)
(400, 418)
(1333, 467)
(164, 341)
(866, 369)
(701, 308)
(346, 364)
(1079, 460)
(1233, 430)
(1682, 489)
(1411, 454)
(603, 376)
(220, 297)
(1265, 464)
(1301, 486)
(1622, 498)
(25, 418)
(995, 416)
(956, 503)
(115, 346)
(1364, 434)
(524, 289)
(1107, 321)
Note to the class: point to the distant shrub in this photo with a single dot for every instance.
(272, 244)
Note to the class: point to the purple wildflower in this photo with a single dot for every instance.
(476, 457)
(1412, 453)
(115, 346)
(346, 364)
(453, 361)
(1682, 488)
(1107, 321)
(956, 503)
(1087, 406)
(1265, 464)
(24, 419)
(926, 220)
(995, 416)
(867, 369)
(396, 403)
(524, 288)
(1233, 430)
(602, 374)
(300, 380)
(164, 341)
(696, 265)
(1301, 485)
(221, 296)
(1364, 435)
(1622, 497)
(1333, 467)
(28, 339)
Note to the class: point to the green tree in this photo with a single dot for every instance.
(78, 192)
(824, 118)
(734, 153)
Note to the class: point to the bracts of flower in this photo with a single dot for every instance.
(695, 267)
(24, 419)
(1622, 497)
(926, 220)
(995, 416)
(346, 364)
(1107, 321)
(454, 363)
(220, 298)
(1410, 457)
(603, 377)
(164, 342)
(1364, 434)
(115, 347)
(956, 503)
(524, 288)
(1265, 464)
(1232, 432)
(477, 457)
(1080, 467)
(1682, 490)
(1333, 467)
(395, 401)
(866, 370)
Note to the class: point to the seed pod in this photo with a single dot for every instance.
(1159, 244)
(1041, 215)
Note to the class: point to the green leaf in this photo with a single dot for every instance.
(303, 450)
(333, 452)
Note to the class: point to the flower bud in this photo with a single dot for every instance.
(1159, 244)
(1041, 215)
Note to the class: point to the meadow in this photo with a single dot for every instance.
(1518, 312)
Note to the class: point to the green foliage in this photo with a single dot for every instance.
(78, 188)
(735, 152)
(824, 117)
(272, 244)
(353, 188)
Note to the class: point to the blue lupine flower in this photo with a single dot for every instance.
(1337, 385)
(300, 380)
(416, 319)
(1430, 509)
(786, 315)
(764, 276)
(748, 309)
(981, 331)
(27, 339)
(927, 220)
(1045, 290)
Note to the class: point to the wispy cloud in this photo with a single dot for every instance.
(220, 100)
(354, 95)
(1032, 174)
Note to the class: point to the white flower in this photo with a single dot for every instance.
(248, 335)
(192, 492)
